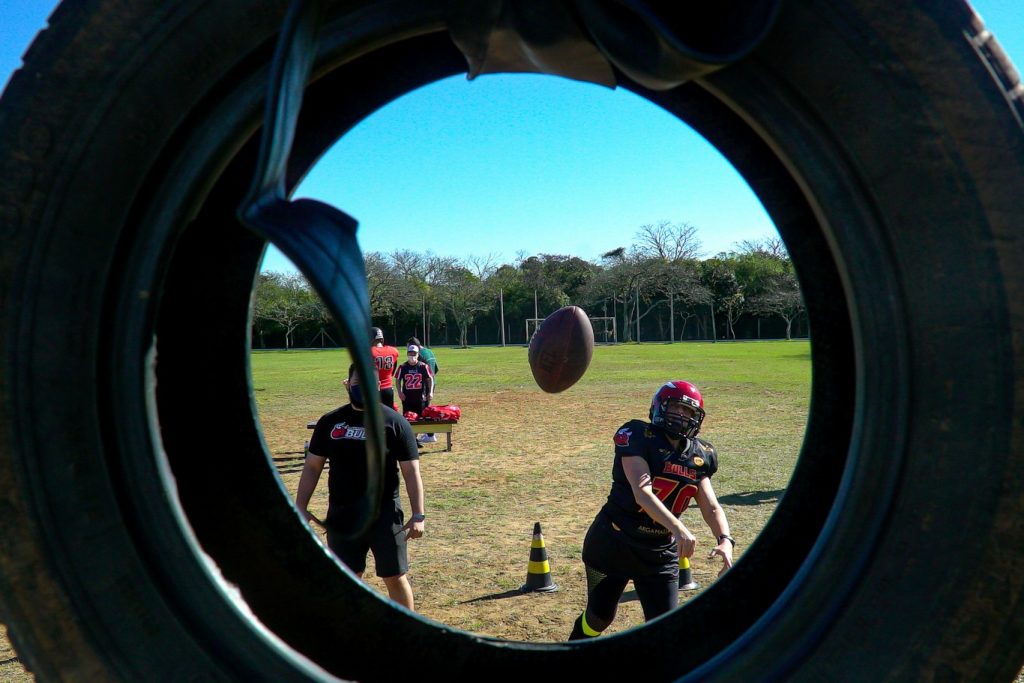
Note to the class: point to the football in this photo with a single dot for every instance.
(561, 348)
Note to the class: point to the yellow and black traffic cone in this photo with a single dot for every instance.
(538, 575)
(686, 582)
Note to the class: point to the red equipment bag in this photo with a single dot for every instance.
(445, 413)
(411, 416)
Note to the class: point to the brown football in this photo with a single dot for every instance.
(561, 348)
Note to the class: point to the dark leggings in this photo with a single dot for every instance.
(413, 404)
(658, 594)
(654, 572)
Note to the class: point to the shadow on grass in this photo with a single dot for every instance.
(496, 596)
(631, 596)
(752, 497)
(289, 462)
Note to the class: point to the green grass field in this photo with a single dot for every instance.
(521, 456)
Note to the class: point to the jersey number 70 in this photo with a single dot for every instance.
(664, 488)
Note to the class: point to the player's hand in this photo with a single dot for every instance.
(686, 541)
(312, 519)
(414, 528)
(401, 397)
(723, 550)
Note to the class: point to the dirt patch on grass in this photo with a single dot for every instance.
(521, 457)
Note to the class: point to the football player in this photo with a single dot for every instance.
(385, 359)
(340, 437)
(658, 468)
(415, 382)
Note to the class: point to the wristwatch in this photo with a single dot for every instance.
(419, 517)
(731, 539)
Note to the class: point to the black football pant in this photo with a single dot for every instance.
(612, 560)
(413, 404)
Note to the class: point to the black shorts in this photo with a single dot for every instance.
(413, 403)
(612, 559)
(387, 397)
(385, 539)
(615, 553)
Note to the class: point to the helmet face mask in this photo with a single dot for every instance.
(678, 422)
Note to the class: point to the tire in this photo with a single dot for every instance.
(141, 543)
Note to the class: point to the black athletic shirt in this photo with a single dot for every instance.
(414, 380)
(340, 437)
(674, 477)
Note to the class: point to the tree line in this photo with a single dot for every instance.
(656, 289)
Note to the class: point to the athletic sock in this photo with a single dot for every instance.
(581, 630)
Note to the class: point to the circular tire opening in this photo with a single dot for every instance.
(143, 520)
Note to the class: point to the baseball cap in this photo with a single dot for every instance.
(413, 349)
(377, 333)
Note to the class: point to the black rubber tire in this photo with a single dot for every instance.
(143, 542)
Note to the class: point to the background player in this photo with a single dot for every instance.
(659, 466)
(415, 382)
(428, 357)
(340, 436)
(385, 359)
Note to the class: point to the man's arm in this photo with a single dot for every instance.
(714, 517)
(414, 488)
(639, 476)
(311, 471)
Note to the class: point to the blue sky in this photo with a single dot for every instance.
(522, 164)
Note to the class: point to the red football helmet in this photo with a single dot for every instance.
(677, 391)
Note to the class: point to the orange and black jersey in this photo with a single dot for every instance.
(385, 359)
(675, 473)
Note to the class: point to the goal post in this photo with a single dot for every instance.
(605, 331)
(531, 327)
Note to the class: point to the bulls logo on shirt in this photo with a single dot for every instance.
(343, 431)
(621, 437)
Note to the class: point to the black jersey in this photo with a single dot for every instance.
(675, 473)
(415, 380)
(340, 437)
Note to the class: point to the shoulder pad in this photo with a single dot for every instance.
(631, 433)
(705, 446)
(708, 452)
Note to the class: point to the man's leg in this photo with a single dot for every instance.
(412, 404)
(603, 549)
(603, 593)
(658, 594)
(391, 557)
(350, 551)
(400, 590)
(426, 402)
